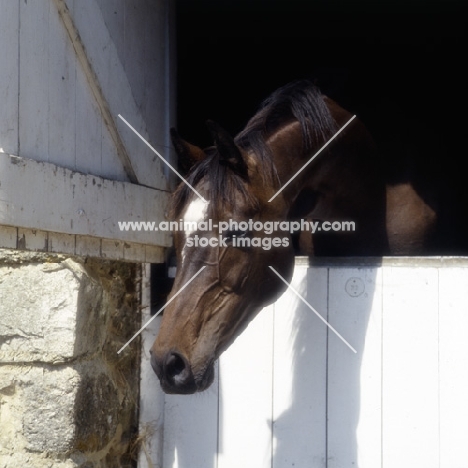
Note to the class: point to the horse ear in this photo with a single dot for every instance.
(229, 153)
(187, 153)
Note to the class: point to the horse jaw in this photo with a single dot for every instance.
(199, 325)
(196, 329)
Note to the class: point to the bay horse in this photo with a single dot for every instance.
(239, 179)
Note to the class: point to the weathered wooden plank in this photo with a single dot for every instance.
(32, 239)
(191, 429)
(109, 248)
(150, 87)
(34, 80)
(114, 12)
(354, 379)
(132, 252)
(82, 56)
(299, 377)
(134, 53)
(86, 246)
(154, 254)
(369, 426)
(60, 200)
(159, 77)
(88, 138)
(453, 361)
(63, 243)
(45, 241)
(9, 77)
(95, 150)
(246, 394)
(113, 93)
(8, 237)
(410, 415)
(170, 88)
(62, 95)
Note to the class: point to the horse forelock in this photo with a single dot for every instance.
(216, 183)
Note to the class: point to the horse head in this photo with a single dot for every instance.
(223, 277)
(228, 188)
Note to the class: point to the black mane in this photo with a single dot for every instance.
(299, 100)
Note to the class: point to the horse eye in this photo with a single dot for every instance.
(235, 233)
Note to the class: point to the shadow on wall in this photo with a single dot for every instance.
(320, 383)
(191, 429)
(289, 392)
(106, 402)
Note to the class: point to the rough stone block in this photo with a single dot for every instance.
(67, 399)
(37, 408)
(39, 304)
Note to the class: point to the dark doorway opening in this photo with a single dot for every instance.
(397, 65)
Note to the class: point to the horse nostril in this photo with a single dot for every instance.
(174, 372)
(178, 376)
(174, 366)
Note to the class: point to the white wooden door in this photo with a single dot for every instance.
(290, 393)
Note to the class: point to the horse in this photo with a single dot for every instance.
(271, 173)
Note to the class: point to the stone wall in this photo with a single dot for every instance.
(67, 399)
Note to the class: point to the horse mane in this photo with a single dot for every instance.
(299, 100)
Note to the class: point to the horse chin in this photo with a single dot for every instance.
(203, 380)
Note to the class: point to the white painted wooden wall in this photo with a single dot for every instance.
(289, 393)
(68, 69)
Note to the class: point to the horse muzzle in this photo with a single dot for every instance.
(176, 375)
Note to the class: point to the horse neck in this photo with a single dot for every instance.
(348, 160)
(342, 182)
(286, 147)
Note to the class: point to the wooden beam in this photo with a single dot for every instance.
(41, 196)
(95, 86)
